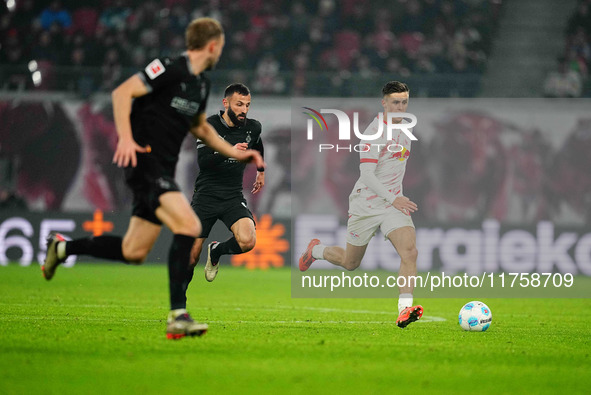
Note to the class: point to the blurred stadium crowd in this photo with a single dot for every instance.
(571, 79)
(329, 47)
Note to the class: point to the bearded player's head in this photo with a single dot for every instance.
(206, 35)
(395, 97)
(237, 103)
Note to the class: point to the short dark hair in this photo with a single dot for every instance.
(394, 87)
(239, 88)
(200, 31)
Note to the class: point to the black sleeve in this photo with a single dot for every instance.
(162, 72)
(258, 145)
(207, 157)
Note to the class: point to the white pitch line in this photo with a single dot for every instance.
(333, 310)
(423, 319)
(251, 307)
(74, 318)
(90, 306)
(228, 322)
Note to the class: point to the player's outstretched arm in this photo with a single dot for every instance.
(206, 133)
(122, 96)
(260, 179)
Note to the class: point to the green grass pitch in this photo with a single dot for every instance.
(100, 329)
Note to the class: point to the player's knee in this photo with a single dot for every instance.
(409, 254)
(247, 243)
(189, 227)
(135, 256)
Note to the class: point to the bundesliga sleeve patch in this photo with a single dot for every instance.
(154, 69)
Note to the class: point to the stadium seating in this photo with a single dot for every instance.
(337, 36)
(85, 21)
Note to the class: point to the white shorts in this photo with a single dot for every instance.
(360, 229)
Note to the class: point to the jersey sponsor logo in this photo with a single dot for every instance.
(203, 89)
(184, 106)
(154, 69)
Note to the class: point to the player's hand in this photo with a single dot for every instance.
(259, 182)
(241, 146)
(251, 156)
(405, 205)
(125, 154)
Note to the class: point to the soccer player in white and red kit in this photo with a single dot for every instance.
(377, 201)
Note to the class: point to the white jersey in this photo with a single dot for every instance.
(390, 157)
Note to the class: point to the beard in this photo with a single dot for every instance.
(234, 118)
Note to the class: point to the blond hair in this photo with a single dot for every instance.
(200, 31)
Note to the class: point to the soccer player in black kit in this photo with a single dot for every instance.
(170, 97)
(218, 187)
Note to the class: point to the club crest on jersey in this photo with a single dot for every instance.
(402, 155)
(154, 69)
(248, 136)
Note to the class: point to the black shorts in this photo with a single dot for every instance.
(148, 180)
(209, 210)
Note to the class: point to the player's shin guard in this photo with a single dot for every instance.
(178, 265)
(106, 247)
(228, 247)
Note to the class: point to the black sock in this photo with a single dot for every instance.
(190, 272)
(191, 269)
(108, 247)
(228, 247)
(178, 264)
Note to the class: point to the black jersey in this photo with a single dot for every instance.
(163, 117)
(221, 177)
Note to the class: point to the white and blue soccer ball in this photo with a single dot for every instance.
(475, 317)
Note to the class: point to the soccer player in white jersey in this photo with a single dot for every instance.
(377, 202)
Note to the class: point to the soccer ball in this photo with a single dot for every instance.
(475, 317)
